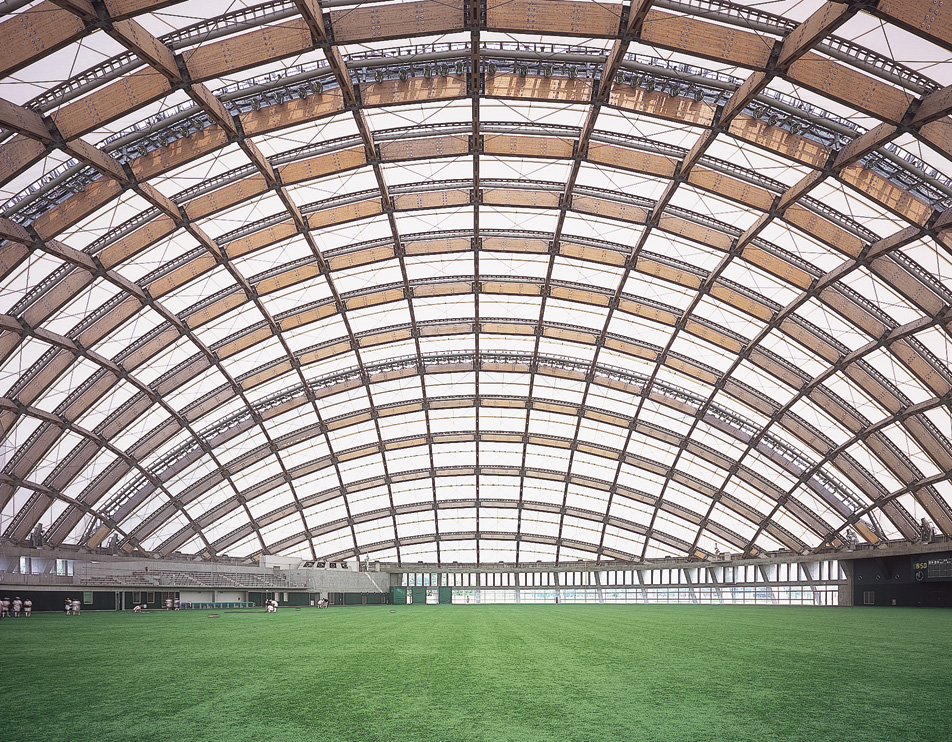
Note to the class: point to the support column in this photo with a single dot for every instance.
(845, 597)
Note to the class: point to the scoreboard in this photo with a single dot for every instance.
(933, 568)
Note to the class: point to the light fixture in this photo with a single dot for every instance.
(255, 104)
(698, 95)
(279, 96)
(573, 73)
(795, 127)
(523, 70)
(317, 86)
(163, 140)
(650, 84)
(404, 75)
(427, 72)
(443, 70)
(378, 76)
(460, 68)
(142, 150)
(302, 92)
(620, 77)
(547, 70)
(674, 91)
(491, 68)
(757, 111)
(182, 131)
(772, 119)
(635, 81)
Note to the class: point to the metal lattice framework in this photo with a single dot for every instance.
(511, 280)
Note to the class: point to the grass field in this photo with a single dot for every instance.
(661, 673)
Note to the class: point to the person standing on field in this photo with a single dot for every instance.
(77, 606)
(27, 608)
(17, 606)
(69, 607)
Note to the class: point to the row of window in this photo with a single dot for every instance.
(773, 595)
(816, 572)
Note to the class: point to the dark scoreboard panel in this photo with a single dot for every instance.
(933, 568)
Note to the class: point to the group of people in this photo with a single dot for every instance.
(271, 605)
(16, 607)
(322, 603)
(73, 606)
(172, 604)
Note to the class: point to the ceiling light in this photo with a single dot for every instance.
(378, 75)
(491, 69)
(317, 86)
(404, 75)
(547, 70)
(460, 68)
(573, 73)
(523, 70)
(698, 95)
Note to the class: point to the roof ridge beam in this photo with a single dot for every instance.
(147, 47)
(824, 21)
(83, 8)
(313, 15)
(637, 11)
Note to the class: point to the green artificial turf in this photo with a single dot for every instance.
(407, 673)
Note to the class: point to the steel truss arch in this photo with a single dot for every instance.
(770, 267)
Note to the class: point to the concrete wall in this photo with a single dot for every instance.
(342, 581)
(196, 596)
(230, 596)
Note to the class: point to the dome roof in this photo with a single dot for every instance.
(446, 281)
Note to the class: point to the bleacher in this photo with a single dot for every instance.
(212, 579)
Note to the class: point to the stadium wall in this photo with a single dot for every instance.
(923, 580)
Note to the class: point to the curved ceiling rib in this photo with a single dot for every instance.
(454, 281)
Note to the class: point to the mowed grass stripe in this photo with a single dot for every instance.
(659, 673)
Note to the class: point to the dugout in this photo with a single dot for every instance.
(52, 600)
